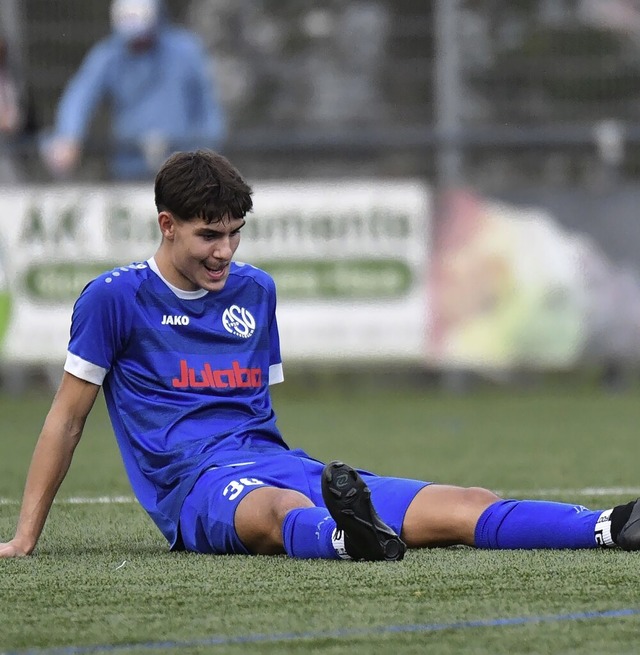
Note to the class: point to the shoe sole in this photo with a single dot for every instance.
(348, 500)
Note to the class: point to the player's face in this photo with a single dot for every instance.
(201, 252)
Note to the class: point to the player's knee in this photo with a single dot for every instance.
(468, 503)
(260, 515)
(285, 501)
(478, 498)
(442, 515)
(472, 503)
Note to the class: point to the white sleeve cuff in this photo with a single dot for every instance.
(276, 374)
(84, 370)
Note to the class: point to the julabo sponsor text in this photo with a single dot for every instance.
(234, 377)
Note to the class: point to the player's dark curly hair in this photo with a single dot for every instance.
(201, 184)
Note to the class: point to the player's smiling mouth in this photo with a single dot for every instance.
(217, 271)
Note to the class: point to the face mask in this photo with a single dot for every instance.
(133, 19)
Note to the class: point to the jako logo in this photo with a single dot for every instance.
(238, 321)
(169, 319)
(233, 377)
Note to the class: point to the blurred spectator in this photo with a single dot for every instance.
(12, 117)
(161, 97)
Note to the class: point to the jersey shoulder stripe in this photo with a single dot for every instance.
(121, 279)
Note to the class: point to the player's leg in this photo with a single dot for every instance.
(260, 516)
(260, 508)
(440, 515)
(290, 515)
(270, 520)
(443, 515)
(422, 513)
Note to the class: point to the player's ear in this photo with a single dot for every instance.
(167, 224)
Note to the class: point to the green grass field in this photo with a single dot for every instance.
(102, 580)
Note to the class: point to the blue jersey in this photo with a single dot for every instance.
(185, 375)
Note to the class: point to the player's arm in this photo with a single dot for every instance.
(50, 462)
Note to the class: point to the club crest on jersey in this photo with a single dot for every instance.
(174, 319)
(238, 321)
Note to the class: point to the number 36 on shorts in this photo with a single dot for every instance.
(235, 487)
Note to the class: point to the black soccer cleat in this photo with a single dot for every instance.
(348, 499)
(629, 536)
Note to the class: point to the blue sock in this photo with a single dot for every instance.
(307, 533)
(537, 524)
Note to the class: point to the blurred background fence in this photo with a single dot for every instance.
(529, 103)
(533, 91)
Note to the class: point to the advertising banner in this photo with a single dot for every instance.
(349, 259)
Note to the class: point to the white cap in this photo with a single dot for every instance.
(134, 18)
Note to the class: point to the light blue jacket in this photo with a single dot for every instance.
(165, 91)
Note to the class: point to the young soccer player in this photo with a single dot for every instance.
(185, 346)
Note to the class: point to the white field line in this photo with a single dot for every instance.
(81, 500)
(571, 493)
(584, 492)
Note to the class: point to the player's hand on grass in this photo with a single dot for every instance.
(12, 549)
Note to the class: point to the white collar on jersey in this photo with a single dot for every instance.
(181, 293)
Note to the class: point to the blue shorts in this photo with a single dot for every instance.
(207, 516)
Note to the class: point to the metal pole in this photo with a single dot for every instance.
(448, 95)
(448, 99)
